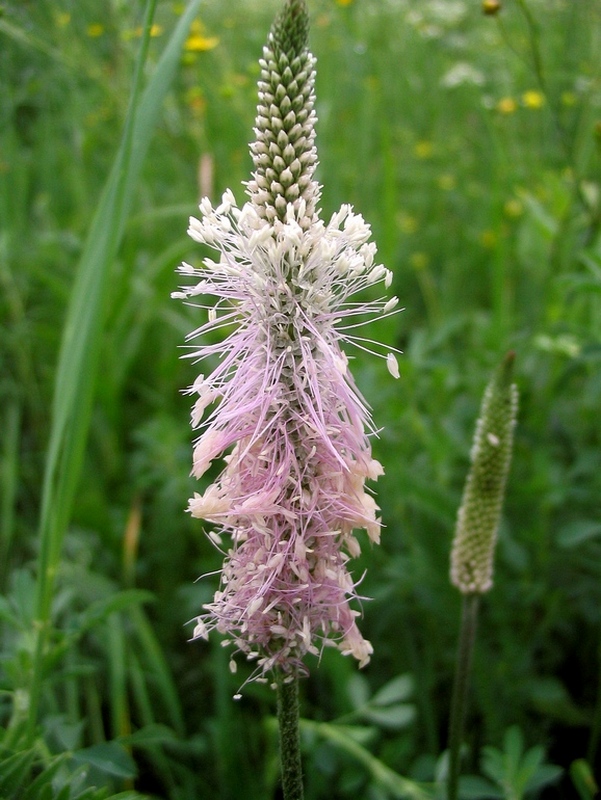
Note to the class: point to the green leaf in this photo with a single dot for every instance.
(101, 609)
(63, 733)
(493, 764)
(43, 782)
(128, 796)
(110, 757)
(82, 334)
(583, 779)
(6, 613)
(358, 690)
(42, 785)
(358, 733)
(22, 595)
(154, 663)
(392, 717)
(530, 763)
(577, 532)
(472, 787)
(397, 785)
(149, 735)
(14, 770)
(92, 793)
(546, 221)
(514, 747)
(513, 770)
(550, 697)
(545, 774)
(399, 688)
(74, 783)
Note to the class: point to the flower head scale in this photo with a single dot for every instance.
(285, 408)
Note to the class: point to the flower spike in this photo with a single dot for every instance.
(281, 407)
(480, 511)
(284, 152)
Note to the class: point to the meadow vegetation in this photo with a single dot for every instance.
(471, 142)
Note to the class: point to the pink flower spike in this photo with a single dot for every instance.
(281, 407)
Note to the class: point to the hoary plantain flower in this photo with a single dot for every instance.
(472, 554)
(285, 416)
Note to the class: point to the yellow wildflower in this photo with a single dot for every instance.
(533, 99)
(446, 182)
(344, 2)
(196, 101)
(513, 208)
(419, 260)
(95, 30)
(423, 149)
(488, 239)
(407, 223)
(198, 41)
(491, 7)
(506, 105)
(63, 18)
(155, 30)
(198, 44)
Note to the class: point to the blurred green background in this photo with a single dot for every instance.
(471, 142)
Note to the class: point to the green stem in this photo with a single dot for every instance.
(288, 719)
(534, 36)
(595, 736)
(9, 470)
(467, 635)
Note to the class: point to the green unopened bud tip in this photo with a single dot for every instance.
(290, 30)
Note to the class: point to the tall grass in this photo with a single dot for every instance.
(472, 145)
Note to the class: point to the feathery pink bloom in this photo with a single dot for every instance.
(286, 411)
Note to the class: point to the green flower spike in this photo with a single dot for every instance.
(478, 518)
(476, 534)
(284, 152)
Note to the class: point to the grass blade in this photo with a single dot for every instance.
(80, 347)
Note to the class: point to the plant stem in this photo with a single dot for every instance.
(534, 37)
(467, 635)
(288, 718)
(595, 736)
